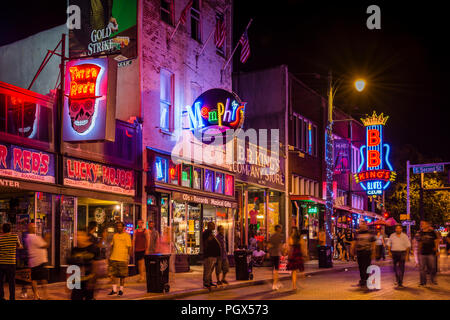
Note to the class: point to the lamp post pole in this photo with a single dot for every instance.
(329, 163)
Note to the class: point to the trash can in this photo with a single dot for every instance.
(157, 269)
(325, 257)
(243, 263)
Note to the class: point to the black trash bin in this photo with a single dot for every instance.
(157, 269)
(243, 263)
(325, 257)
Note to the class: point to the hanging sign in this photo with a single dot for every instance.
(216, 108)
(341, 156)
(89, 102)
(375, 173)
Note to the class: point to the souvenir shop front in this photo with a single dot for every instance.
(182, 198)
(261, 195)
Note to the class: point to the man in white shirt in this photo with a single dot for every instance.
(399, 246)
(37, 259)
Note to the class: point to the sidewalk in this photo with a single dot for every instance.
(189, 283)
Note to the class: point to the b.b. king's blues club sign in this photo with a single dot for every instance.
(375, 173)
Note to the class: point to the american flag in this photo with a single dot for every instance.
(245, 51)
(220, 33)
(183, 16)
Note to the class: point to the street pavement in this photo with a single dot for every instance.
(341, 286)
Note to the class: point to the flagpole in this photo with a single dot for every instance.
(237, 44)
(210, 35)
(176, 28)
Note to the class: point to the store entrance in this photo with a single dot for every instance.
(19, 208)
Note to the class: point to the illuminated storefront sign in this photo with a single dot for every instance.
(96, 176)
(28, 164)
(89, 112)
(185, 197)
(372, 174)
(216, 108)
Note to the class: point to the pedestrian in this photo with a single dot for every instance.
(341, 243)
(120, 256)
(153, 244)
(258, 256)
(141, 242)
(252, 243)
(83, 256)
(222, 266)
(275, 247)
(295, 258)
(9, 242)
(379, 245)
(348, 239)
(428, 241)
(211, 252)
(37, 259)
(365, 251)
(399, 246)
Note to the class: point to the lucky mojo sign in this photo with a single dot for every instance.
(96, 176)
(27, 164)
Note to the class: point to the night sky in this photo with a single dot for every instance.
(405, 63)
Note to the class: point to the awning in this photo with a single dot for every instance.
(307, 198)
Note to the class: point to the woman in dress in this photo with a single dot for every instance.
(295, 259)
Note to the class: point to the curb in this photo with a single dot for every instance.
(247, 283)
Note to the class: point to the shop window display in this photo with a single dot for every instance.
(193, 234)
(179, 227)
(67, 227)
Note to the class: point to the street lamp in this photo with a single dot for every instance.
(359, 84)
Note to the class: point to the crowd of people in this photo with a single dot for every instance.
(97, 259)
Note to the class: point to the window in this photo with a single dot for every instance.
(195, 21)
(166, 99)
(304, 186)
(305, 135)
(167, 11)
(197, 178)
(186, 176)
(220, 20)
(161, 169)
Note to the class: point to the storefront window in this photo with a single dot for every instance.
(186, 175)
(161, 169)
(164, 214)
(197, 178)
(274, 210)
(218, 186)
(194, 230)
(229, 185)
(43, 218)
(209, 178)
(174, 170)
(256, 214)
(179, 227)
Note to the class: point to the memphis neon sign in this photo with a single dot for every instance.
(375, 173)
(216, 108)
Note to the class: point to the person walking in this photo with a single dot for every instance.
(399, 246)
(211, 252)
(275, 245)
(83, 256)
(380, 244)
(37, 259)
(428, 241)
(343, 251)
(222, 266)
(153, 239)
(348, 239)
(9, 242)
(141, 242)
(295, 258)
(120, 256)
(365, 251)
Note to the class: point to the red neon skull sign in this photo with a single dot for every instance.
(82, 98)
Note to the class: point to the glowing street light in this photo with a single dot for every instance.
(360, 84)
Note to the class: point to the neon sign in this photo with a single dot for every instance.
(375, 157)
(88, 110)
(216, 108)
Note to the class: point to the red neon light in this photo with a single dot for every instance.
(373, 158)
(204, 112)
(373, 137)
(172, 173)
(374, 175)
(238, 116)
(83, 80)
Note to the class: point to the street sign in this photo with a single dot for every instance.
(426, 168)
(409, 222)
